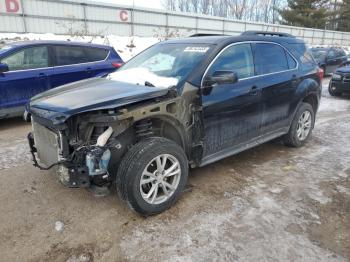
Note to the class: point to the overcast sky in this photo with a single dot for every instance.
(142, 3)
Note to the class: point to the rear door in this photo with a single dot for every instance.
(29, 74)
(101, 64)
(333, 61)
(232, 112)
(278, 76)
(71, 64)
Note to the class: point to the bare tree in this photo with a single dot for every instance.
(250, 10)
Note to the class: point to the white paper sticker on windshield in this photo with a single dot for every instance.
(199, 49)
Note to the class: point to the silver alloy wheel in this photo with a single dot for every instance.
(304, 125)
(160, 179)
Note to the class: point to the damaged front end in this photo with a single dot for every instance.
(76, 165)
(85, 149)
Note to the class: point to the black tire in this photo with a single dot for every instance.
(132, 166)
(292, 139)
(333, 93)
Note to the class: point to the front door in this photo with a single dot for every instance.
(232, 112)
(29, 74)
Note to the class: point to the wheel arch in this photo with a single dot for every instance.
(168, 127)
(313, 100)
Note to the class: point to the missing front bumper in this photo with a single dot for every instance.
(68, 172)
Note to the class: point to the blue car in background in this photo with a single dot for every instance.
(31, 67)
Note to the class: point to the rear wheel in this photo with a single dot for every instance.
(301, 127)
(152, 175)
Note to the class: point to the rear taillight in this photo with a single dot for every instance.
(117, 64)
(320, 73)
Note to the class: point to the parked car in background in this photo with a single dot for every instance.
(31, 67)
(329, 58)
(340, 82)
(180, 103)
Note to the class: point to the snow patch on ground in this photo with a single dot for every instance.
(334, 104)
(14, 153)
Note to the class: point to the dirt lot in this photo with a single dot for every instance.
(271, 203)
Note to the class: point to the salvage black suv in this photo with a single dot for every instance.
(179, 104)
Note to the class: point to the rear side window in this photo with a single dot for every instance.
(28, 58)
(291, 62)
(302, 53)
(340, 53)
(237, 58)
(69, 55)
(270, 58)
(96, 54)
(332, 54)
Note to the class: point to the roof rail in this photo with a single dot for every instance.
(267, 33)
(204, 34)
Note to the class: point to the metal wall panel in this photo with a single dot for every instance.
(149, 18)
(103, 14)
(11, 24)
(181, 21)
(210, 24)
(98, 28)
(234, 26)
(53, 9)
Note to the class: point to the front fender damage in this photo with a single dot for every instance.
(97, 140)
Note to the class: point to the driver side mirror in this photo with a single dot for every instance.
(220, 78)
(3, 68)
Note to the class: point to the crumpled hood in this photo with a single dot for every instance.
(92, 94)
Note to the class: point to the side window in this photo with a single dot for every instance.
(331, 54)
(340, 53)
(95, 54)
(69, 55)
(301, 52)
(270, 58)
(28, 58)
(237, 58)
(291, 62)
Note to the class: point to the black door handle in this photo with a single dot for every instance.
(254, 91)
(42, 75)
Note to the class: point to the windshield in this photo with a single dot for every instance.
(319, 54)
(162, 65)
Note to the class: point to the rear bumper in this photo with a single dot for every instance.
(339, 86)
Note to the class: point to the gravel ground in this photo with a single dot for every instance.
(270, 203)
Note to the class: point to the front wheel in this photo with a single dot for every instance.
(152, 175)
(301, 127)
(333, 92)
